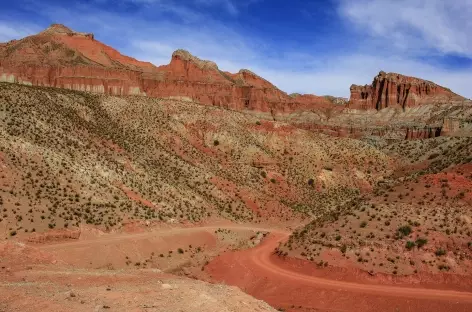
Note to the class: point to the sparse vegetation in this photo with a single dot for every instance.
(410, 245)
(187, 180)
(404, 231)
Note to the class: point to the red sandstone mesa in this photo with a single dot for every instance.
(60, 57)
(393, 89)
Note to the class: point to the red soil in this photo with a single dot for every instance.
(455, 182)
(137, 198)
(288, 284)
(111, 250)
(269, 127)
(292, 284)
(258, 203)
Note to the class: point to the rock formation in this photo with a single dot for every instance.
(60, 57)
(390, 90)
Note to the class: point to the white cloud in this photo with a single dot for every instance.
(303, 71)
(338, 73)
(414, 25)
(331, 75)
(223, 46)
(9, 31)
(229, 5)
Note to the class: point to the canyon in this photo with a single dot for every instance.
(63, 58)
(133, 187)
(60, 57)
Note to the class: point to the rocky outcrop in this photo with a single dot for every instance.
(386, 132)
(60, 57)
(422, 133)
(390, 90)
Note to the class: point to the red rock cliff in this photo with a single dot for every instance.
(60, 57)
(397, 90)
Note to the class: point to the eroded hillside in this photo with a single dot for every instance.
(416, 220)
(70, 157)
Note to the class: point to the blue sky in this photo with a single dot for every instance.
(319, 47)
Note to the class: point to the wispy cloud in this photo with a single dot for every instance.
(224, 46)
(9, 30)
(337, 73)
(228, 5)
(150, 33)
(415, 25)
(232, 7)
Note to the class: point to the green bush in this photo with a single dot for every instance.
(440, 252)
(404, 230)
(410, 245)
(420, 242)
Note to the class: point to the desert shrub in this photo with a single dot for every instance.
(440, 252)
(410, 245)
(420, 242)
(180, 251)
(216, 142)
(404, 230)
(363, 224)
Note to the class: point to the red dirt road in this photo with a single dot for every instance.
(256, 272)
(265, 276)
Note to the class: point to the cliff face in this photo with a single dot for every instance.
(60, 57)
(390, 90)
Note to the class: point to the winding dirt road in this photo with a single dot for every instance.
(261, 257)
(255, 271)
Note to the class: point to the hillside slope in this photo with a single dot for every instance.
(416, 220)
(69, 157)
